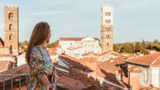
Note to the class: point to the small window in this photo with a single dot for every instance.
(107, 44)
(10, 27)
(10, 48)
(10, 37)
(10, 16)
(107, 13)
(108, 21)
(107, 36)
(108, 28)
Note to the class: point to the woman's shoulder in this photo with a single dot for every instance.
(36, 48)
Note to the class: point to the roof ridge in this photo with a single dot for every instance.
(155, 60)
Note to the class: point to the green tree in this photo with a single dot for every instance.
(146, 52)
(116, 47)
(156, 41)
(127, 48)
(23, 45)
(143, 47)
(52, 45)
(137, 47)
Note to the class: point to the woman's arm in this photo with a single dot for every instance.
(39, 67)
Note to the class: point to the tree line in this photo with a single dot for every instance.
(129, 47)
(23, 45)
(137, 47)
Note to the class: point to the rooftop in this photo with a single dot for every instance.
(73, 39)
(147, 60)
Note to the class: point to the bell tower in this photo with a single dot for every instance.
(11, 29)
(107, 28)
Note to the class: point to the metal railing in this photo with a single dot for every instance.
(12, 81)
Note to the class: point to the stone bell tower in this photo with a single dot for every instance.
(11, 29)
(107, 28)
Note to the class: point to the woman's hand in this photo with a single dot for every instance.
(56, 77)
(49, 87)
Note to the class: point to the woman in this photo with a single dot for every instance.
(38, 58)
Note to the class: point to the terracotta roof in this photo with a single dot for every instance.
(6, 55)
(73, 39)
(59, 46)
(88, 81)
(149, 60)
(73, 62)
(89, 59)
(51, 49)
(108, 67)
(110, 52)
(72, 84)
(5, 65)
(90, 53)
(52, 53)
(17, 70)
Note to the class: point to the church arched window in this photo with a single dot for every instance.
(107, 44)
(10, 27)
(10, 37)
(108, 28)
(10, 48)
(107, 36)
(10, 15)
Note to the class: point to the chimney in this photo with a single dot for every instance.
(134, 78)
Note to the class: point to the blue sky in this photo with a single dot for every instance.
(134, 20)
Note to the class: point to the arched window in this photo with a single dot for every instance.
(107, 36)
(10, 16)
(10, 27)
(10, 37)
(107, 44)
(108, 28)
(10, 48)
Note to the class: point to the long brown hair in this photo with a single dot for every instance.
(39, 35)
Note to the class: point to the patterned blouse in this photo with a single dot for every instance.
(40, 64)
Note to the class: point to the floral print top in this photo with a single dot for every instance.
(40, 64)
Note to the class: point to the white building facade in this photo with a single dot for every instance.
(76, 47)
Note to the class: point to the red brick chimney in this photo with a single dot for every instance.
(134, 78)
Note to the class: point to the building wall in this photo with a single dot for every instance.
(4, 50)
(155, 76)
(145, 76)
(107, 28)
(78, 48)
(11, 29)
(21, 60)
(8, 58)
(149, 75)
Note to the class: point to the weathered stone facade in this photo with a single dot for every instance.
(107, 28)
(11, 29)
